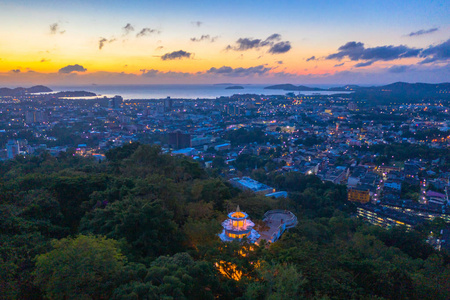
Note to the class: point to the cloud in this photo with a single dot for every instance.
(364, 64)
(339, 65)
(146, 31)
(55, 28)
(280, 62)
(205, 37)
(44, 60)
(103, 41)
(149, 73)
(15, 71)
(72, 68)
(197, 23)
(229, 71)
(423, 31)
(244, 44)
(439, 52)
(152, 73)
(281, 47)
(271, 39)
(176, 55)
(128, 28)
(399, 69)
(356, 51)
(159, 48)
(311, 58)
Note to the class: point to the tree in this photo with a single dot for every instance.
(144, 224)
(85, 267)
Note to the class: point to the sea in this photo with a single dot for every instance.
(183, 91)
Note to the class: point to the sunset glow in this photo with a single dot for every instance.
(223, 41)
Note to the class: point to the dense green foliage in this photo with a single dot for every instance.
(144, 225)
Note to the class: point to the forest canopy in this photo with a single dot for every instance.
(144, 225)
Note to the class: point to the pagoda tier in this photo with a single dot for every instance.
(238, 226)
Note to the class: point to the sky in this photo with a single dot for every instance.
(201, 42)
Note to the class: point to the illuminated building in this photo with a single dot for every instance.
(385, 217)
(238, 226)
(358, 195)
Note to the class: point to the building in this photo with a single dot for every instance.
(185, 151)
(248, 184)
(168, 104)
(437, 198)
(393, 184)
(237, 227)
(277, 222)
(179, 140)
(222, 147)
(35, 116)
(12, 148)
(358, 194)
(115, 102)
(386, 217)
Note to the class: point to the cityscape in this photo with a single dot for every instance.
(207, 151)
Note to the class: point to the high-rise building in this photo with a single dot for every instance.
(179, 140)
(35, 116)
(115, 102)
(168, 104)
(12, 148)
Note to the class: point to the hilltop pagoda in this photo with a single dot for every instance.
(238, 226)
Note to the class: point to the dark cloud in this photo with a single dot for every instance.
(15, 71)
(311, 58)
(128, 28)
(439, 52)
(281, 47)
(146, 31)
(205, 37)
(152, 73)
(103, 41)
(44, 60)
(339, 65)
(364, 64)
(176, 55)
(229, 71)
(149, 73)
(357, 51)
(197, 23)
(423, 31)
(280, 62)
(55, 28)
(244, 44)
(399, 69)
(247, 44)
(72, 68)
(271, 39)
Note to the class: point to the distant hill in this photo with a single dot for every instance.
(20, 90)
(402, 92)
(234, 87)
(394, 92)
(74, 94)
(291, 87)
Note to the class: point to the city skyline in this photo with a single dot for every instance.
(117, 42)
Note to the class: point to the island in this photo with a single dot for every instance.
(74, 94)
(291, 87)
(21, 91)
(234, 87)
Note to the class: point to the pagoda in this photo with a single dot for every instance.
(238, 226)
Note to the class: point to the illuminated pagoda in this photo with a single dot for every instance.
(238, 226)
